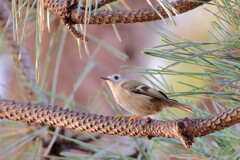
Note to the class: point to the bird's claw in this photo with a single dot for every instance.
(129, 117)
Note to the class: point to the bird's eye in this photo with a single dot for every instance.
(116, 77)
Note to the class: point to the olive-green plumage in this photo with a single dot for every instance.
(138, 98)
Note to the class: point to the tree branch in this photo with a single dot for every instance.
(135, 15)
(100, 4)
(68, 11)
(23, 65)
(59, 8)
(185, 129)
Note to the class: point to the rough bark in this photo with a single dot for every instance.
(185, 129)
(71, 14)
(76, 16)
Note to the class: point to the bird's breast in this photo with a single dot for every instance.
(136, 103)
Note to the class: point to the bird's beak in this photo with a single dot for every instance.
(105, 78)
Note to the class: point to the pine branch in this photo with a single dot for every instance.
(68, 11)
(185, 129)
(100, 4)
(24, 64)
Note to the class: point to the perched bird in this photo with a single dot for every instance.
(138, 98)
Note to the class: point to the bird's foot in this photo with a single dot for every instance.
(135, 116)
(129, 117)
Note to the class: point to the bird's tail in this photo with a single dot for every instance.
(181, 106)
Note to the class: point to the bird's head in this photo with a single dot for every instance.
(115, 79)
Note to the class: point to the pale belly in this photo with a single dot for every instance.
(138, 104)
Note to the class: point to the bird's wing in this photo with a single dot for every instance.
(141, 88)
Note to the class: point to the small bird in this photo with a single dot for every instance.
(138, 98)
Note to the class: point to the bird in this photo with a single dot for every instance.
(138, 98)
